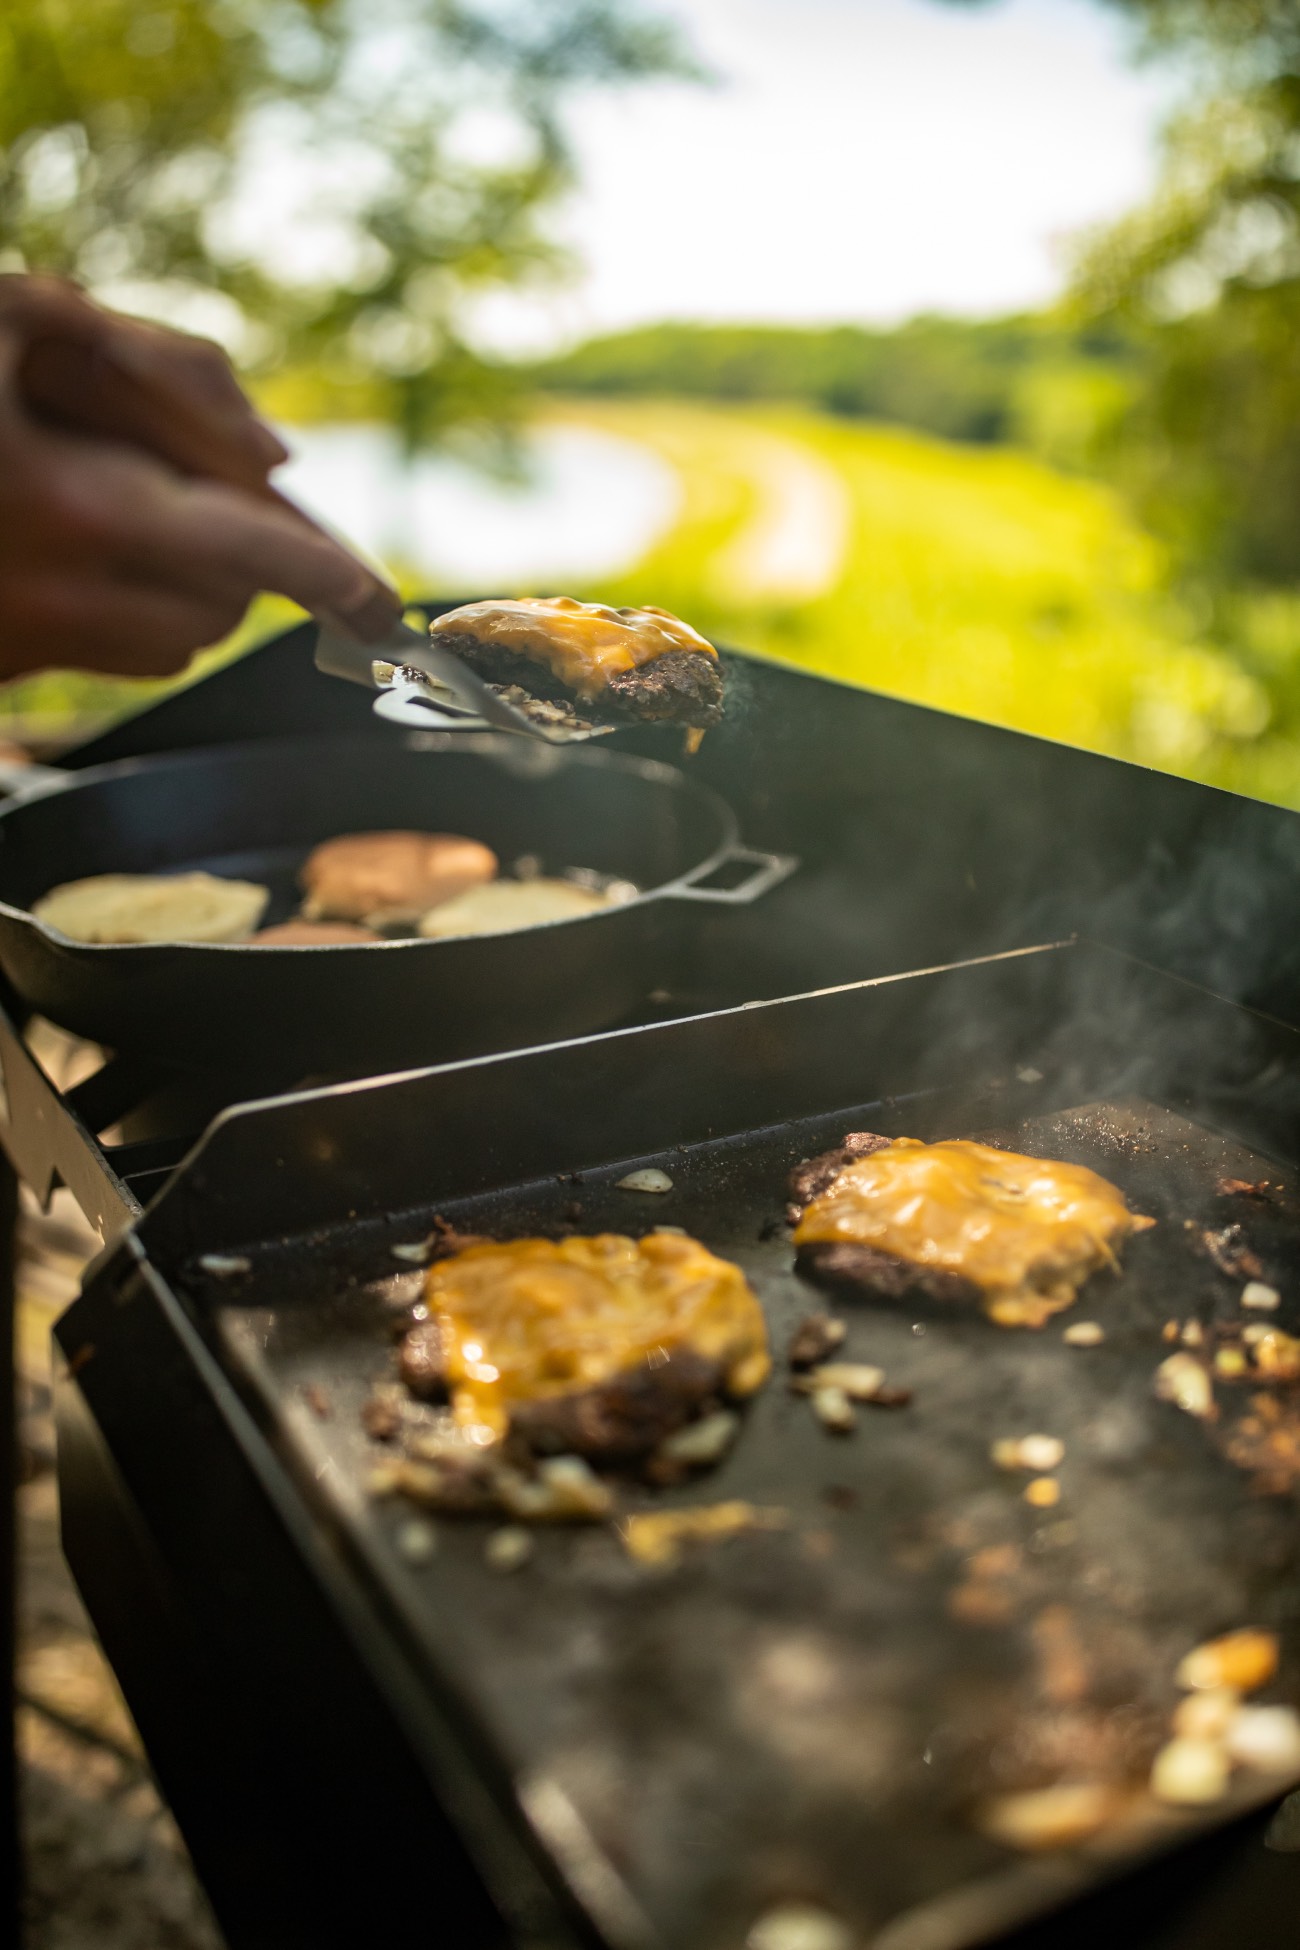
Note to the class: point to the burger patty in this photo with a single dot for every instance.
(598, 1347)
(813, 1176)
(957, 1222)
(842, 1266)
(620, 1421)
(863, 1269)
(627, 1417)
(681, 687)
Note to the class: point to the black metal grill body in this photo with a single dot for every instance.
(581, 1726)
(324, 1784)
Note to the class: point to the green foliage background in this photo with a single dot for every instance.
(1086, 523)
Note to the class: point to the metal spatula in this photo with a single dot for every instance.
(425, 687)
(417, 683)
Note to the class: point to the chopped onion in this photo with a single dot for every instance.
(799, 1926)
(860, 1382)
(417, 1541)
(1033, 1452)
(1206, 1716)
(1266, 1737)
(834, 1410)
(650, 1180)
(1244, 1660)
(1050, 1817)
(1185, 1381)
(509, 1548)
(1190, 1773)
(703, 1442)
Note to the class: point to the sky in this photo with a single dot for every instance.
(857, 160)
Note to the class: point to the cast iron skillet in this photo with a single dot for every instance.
(255, 810)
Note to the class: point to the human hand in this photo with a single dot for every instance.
(136, 519)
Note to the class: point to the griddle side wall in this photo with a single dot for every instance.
(367, 1151)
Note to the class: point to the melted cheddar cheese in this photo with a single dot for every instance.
(584, 644)
(1025, 1231)
(537, 1318)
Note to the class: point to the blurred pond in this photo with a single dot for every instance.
(591, 506)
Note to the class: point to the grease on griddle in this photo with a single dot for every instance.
(657, 1538)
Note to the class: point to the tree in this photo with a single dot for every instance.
(1204, 284)
(1211, 269)
(326, 183)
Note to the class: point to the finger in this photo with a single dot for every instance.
(36, 296)
(191, 386)
(77, 389)
(202, 536)
(88, 368)
(99, 624)
(105, 506)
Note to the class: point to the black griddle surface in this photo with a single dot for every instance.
(815, 1713)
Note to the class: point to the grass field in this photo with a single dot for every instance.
(977, 579)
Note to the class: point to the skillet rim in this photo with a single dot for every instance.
(601, 760)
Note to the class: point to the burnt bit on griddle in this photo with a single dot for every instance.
(445, 1239)
(381, 1413)
(840, 1496)
(420, 1361)
(1260, 1191)
(814, 1338)
(889, 1397)
(813, 1176)
(1226, 1248)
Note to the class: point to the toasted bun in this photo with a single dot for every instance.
(153, 907)
(510, 904)
(379, 877)
(305, 934)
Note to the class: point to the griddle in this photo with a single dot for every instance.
(639, 1760)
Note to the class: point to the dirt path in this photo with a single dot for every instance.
(793, 547)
